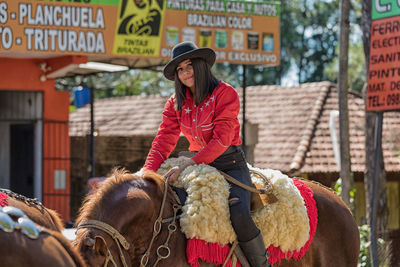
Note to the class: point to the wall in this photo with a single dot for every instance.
(110, 152)
(24, 74)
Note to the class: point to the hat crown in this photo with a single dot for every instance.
(183, 48)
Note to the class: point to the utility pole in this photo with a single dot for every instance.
(345, 161)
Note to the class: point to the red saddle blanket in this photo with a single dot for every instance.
(3, 200)
(213, 252)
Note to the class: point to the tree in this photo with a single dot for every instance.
(131, 82)
(356, 71)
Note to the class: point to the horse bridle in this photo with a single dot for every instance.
(116, 236)
(120, 240)
(157, 229)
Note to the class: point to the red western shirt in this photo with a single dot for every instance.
(210, 128)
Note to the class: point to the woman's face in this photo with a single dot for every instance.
(186, 73)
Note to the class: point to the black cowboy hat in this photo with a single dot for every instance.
(187, 50)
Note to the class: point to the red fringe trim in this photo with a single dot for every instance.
(275, 253)
(210, 252)
(3, 200)
(213, 252)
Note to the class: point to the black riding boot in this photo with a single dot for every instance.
(255, 251)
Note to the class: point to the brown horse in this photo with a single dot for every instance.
(30, 235)
(117, 224)
(50, 248)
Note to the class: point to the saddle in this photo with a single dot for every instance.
(261, 196)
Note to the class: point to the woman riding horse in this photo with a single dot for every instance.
(206, 111)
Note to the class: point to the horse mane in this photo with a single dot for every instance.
(56, 219)
(118, 177)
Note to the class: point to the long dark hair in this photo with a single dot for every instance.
(204, 83)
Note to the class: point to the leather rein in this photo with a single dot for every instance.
(121, 241)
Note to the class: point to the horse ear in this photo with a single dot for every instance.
(154, 177)
(100, 245)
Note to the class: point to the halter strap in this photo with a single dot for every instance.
(106, 228)
(118, 238)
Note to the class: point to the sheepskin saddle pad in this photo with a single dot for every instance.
(284, 224)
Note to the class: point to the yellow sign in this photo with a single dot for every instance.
(139, 26)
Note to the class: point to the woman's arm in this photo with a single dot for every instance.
(166, 138)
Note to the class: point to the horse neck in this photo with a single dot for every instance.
(177, 240)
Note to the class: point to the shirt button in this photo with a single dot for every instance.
(195, 137)
(194, 120)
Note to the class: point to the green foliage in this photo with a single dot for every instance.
(356, 70)
(363, 259)
(356, 56)
(314, 37)
(132, 82)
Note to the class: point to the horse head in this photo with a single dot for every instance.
(115, 223)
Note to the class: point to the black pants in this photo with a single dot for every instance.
(233, 163)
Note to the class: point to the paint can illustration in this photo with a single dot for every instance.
(237, 40)
(189, 35)
(252, 40)
(268, 42)
(221, 39)
(172, 36)
(205, 38)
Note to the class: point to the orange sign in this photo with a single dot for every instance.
(240, 31)
(56, 28)
(384, 65)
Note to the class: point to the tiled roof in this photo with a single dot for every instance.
(293, 123)
(286, 118)
(122, 116)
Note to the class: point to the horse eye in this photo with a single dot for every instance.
(88, 241)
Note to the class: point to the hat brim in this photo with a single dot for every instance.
(205, 53)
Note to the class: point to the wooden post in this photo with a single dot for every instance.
(345, 161)
(244, 111)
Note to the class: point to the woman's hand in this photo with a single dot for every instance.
(173, 174)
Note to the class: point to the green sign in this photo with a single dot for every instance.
(240, 7)
(100, 2)
(385, 8)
